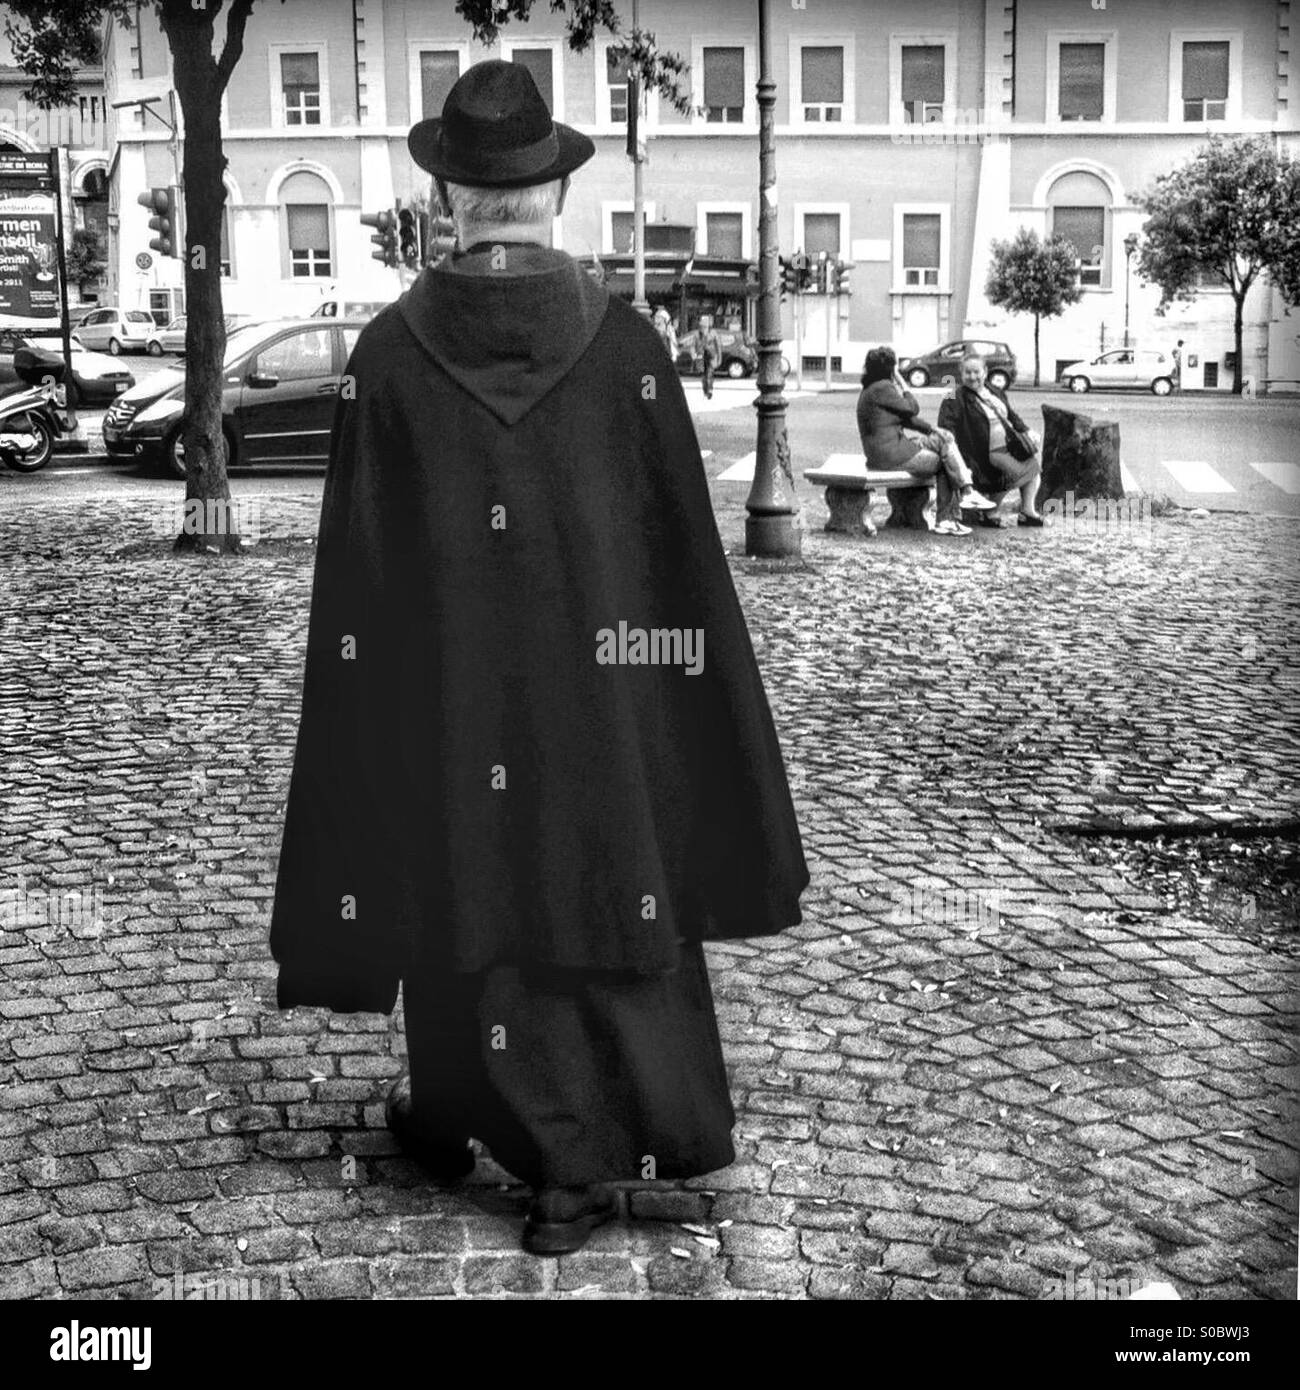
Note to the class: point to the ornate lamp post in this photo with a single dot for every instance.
(770, 528)
(1130, 245)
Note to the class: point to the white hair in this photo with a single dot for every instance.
(491, 207)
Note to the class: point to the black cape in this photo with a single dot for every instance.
(513, 469)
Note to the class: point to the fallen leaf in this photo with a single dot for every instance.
(1054, 1087)
(1233, 1133)
(696, 1230)
(679, 1252)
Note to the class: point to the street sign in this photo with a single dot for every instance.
(143, 260)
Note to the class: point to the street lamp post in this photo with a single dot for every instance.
(770, 528)
(1130, 245)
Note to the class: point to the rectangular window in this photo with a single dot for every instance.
(1205, 81)
(309, 239)
(724, 234)
(724, 84)
(922, 82)
(300, 82)
(616, 82)
(1083, 81)
(922, 235)
(1085, 230)
(822, 83)
(821, 232)
(225, 242)
(439, 69)
(538, 63)
(621, 231)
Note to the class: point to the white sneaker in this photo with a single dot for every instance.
(951, 528)
(977, 502)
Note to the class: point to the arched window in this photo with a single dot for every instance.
(306, 219)
(1079, 210)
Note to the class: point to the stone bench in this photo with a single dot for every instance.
(849, 485)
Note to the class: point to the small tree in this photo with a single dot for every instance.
(1230, 214)
(1029, 276)
(86, 257)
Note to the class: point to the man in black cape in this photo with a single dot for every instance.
(536, 767)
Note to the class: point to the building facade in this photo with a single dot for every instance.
(79, 131)
(910, 134)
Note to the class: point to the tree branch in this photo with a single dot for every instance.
(233, 48)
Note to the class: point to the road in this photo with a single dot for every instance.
(1217, 452)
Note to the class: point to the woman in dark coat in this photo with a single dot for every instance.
(894, 436)
(978, 416)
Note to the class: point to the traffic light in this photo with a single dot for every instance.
(822, 262)
(842, 272)
(163, 203)
(439, 237)
(385, 237)
(789, 277)
(408, 238)
(802, 270)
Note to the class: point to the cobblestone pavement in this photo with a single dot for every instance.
(983, 1067)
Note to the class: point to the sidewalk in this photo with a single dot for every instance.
(991, 1062)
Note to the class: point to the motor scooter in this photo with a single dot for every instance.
(30, 421)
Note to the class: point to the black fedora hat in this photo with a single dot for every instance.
(496, 132)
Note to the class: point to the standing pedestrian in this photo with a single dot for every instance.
(711, 348)
(536, 768)
(1177, 355)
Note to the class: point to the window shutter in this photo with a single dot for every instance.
(1083, 71)
(1205, 71)
(438, 74)
(615, 68)
(1084, 228)
(300, 69)
(724, 233)
(822, 74)
(538, 62)
(821, 232)
(921, 240)
(309, 227)
(621, 231)
(922, 73)
(724, 77)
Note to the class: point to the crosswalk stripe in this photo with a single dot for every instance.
(1283, 475)
(742, 471)
(1132, 488)
(1194, 475)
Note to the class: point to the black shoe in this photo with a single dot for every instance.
(561, 1218)
(1024, 519)
(445, 1163)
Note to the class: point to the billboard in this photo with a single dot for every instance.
(29, 285)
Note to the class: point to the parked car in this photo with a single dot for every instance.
(172, 338)
(1132, 368)
(739, 354)
(117, 330)
(96, 378)
(941, 366)
(350, 308)
(280, 388)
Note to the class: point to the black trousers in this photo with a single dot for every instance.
(572, 1077)
(709, 368)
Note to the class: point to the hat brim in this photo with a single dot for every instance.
(425, 143)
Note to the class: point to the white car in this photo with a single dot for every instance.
(118, 330)
(1122, 367)
(172, 338)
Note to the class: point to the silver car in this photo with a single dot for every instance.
(116, 330)
(1122, 367)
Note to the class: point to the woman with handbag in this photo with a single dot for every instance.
(1001, 450)
(894, 435)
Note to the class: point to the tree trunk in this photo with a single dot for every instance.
(1239, 304)
(1079, 456)
(1036, 373)
(209, 518)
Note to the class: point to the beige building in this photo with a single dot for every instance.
(910, 134)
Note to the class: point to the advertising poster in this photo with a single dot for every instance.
(29, 284)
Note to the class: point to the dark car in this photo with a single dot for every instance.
(739, 354)
(281, 385)
(97, 379)
(942, 365)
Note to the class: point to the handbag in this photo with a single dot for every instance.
(1018, 446)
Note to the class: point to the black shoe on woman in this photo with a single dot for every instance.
(1025, 519)
(561, 1218)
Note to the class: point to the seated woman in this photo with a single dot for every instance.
(894, 436)
(978, 416)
